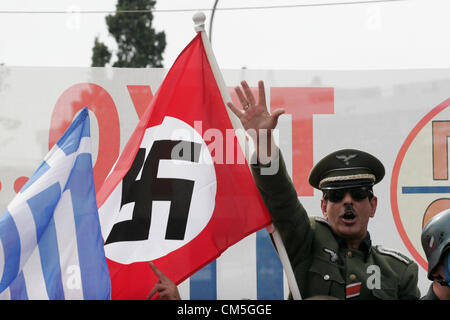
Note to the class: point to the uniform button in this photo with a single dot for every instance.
(349, 254)
(352, 277)
(326, 277)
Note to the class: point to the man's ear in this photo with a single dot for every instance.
(323, 206)
(373, 204)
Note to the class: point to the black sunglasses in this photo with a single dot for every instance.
(358, 194)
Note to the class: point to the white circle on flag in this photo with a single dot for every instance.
(202, 204)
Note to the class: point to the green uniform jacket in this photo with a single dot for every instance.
(323, 267)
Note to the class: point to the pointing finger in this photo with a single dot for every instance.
(158, 273)
(153, 291)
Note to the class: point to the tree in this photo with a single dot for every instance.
(139, 45)
(100, 54)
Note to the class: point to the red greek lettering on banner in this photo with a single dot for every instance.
(98, 101)
(141, 95)
(302, 104)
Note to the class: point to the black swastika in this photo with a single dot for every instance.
(150, 188)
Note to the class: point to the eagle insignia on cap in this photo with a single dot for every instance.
(346, 168)
(345, 158)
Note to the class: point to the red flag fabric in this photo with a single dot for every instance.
(181, 192)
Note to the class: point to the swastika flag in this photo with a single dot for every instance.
(181, 192)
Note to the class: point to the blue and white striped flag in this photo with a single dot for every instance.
(51, 245)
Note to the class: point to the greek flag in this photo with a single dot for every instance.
(51, 245)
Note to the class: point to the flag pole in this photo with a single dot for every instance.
(292, 282)
(199, 19)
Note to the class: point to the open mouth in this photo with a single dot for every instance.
(349, 216)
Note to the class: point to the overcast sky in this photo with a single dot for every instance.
(381, 35)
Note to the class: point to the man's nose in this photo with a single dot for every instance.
(348, 198)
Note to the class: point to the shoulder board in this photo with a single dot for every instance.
(393, 253)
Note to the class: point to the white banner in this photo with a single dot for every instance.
(400, 116)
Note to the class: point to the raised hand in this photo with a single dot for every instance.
(255, 118)
(165, 287)
(254, 114)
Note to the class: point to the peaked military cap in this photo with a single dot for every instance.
(346, 168)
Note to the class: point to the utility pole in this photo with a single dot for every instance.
(211, 20)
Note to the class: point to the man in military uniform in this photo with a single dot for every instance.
(436, 244)
(333, 255)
